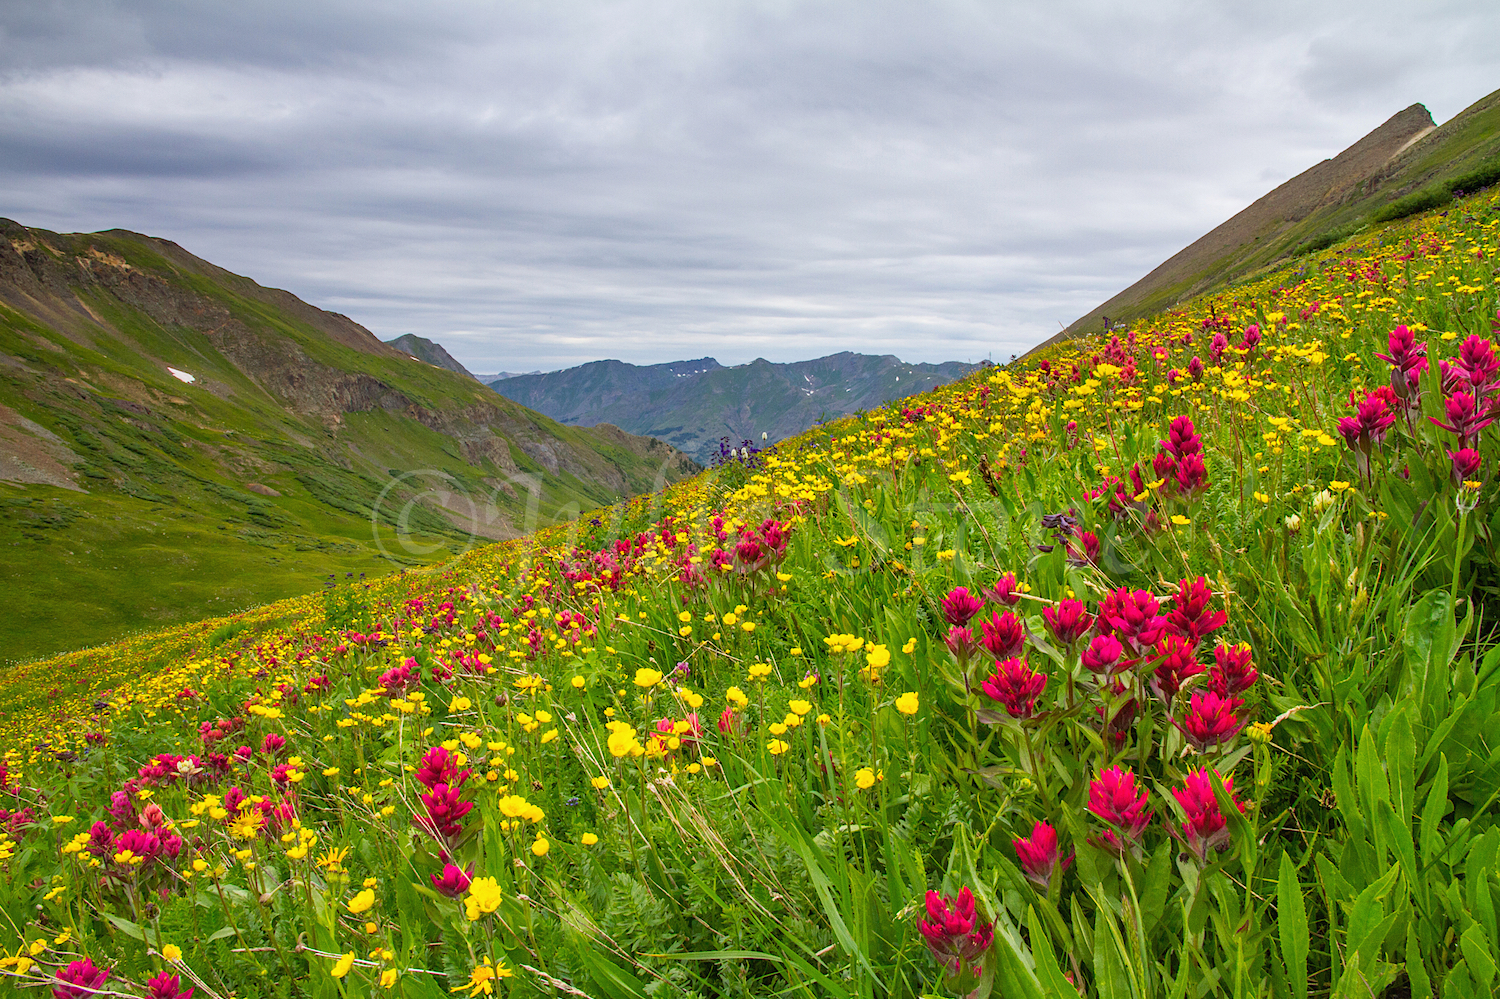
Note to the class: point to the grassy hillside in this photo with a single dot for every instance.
(301, 446)
(1401, 168)
(424, 349)
(1155, 666)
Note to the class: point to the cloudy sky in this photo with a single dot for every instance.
(536, 185)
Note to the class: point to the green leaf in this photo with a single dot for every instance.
(128, 928)
(870, 528)
(1048, 971)
(1291, 923)
(1343, 792)
(1400, 761)
(1416, 968)
(798, 839)
(831, 987)
(1366, 921)
(220, 934)
(1477, 952)
(1109, 970)
(1239, 826)
(1013, 979)
(609, 978)
(1158, 882)
(1430, 641)
(1399, 837)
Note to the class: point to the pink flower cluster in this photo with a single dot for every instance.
(443, 809)
(1180, 459)
(1128, 629)
(954, 932)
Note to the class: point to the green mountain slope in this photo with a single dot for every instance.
(1403, 166)
(692, 404)
(177, 440)
(433, 353)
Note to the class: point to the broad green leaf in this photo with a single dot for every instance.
(797, 838)
(1013, 979)
(128, 928)
(1477, 952)
(609, 978)
(870, 528)
(1343, 791)
(1399, 837)
(1158, 882)
(1049, 973)
(830, 986)
(1109, 968)
(1365, 920)
(1429, 639)
(1291, 923)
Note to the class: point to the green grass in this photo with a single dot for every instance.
(91, 568)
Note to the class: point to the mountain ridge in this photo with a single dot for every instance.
(1362, 185)
(429, 351)
(693, 404)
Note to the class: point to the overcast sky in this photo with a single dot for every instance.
(535, 185)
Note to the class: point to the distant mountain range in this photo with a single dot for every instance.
(1406, 165)
(177, 440)
(692, 404)
(500, 376)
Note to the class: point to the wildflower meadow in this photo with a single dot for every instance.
(1161, 664)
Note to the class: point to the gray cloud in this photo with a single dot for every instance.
(541, 184)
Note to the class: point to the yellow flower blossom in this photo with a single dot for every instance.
(484, 897)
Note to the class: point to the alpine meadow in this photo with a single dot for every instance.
(1157, 663)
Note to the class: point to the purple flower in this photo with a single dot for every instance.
(164, 986)
(1190, 617)
(1465, 418)
(1174, 662)
(1006, 591)
(1206, 828)
(1133, 618)
(1465, 464)
(1232, 672)
(1211, 720)
(1104, 655)
(445, 812)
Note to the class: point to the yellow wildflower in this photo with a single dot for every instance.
(342, 965)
